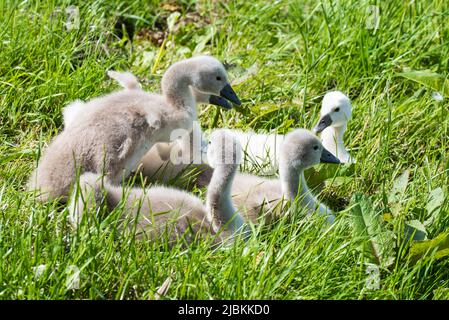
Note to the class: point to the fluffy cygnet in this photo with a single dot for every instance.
(167, 160)
(161, 209)
(113, 132)
(253, 195)
(300, 150)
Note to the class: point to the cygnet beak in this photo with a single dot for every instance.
(327, 157)
(324, 122)
(228, 93)
(219, 101)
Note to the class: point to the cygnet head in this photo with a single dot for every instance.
(301, 149)
(335, 111)
(223, 149)
(208, 76)
(211, 78)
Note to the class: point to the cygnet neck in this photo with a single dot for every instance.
(176, 89)
(290, 180)
(219, 202)
(294, 185)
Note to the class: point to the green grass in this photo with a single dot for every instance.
(299, 50)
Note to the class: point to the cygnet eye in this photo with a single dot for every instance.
(337, 109)
(209, 142)
(219, 78)
(315, 148)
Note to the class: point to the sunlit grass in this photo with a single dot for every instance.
(285, 56)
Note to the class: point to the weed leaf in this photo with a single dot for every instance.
(377, 243)
(436, 199)
(429, 79)
(416, 230)
(434, 203)
(397, 192)
(399, 186)
(439, 245)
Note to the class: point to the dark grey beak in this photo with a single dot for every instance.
(327, 157)
(324, 122)
(228, 93)
(219, 101)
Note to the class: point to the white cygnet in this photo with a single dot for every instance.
(264, 149)
(335, 113)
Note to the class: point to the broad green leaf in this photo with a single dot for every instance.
(377, 242)
(397, 192)
(429, 79)
(415, 229)
(434, 203)
(436, 199)
(399, 186)
(337, 181)
(439, 245)
(317, 176)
